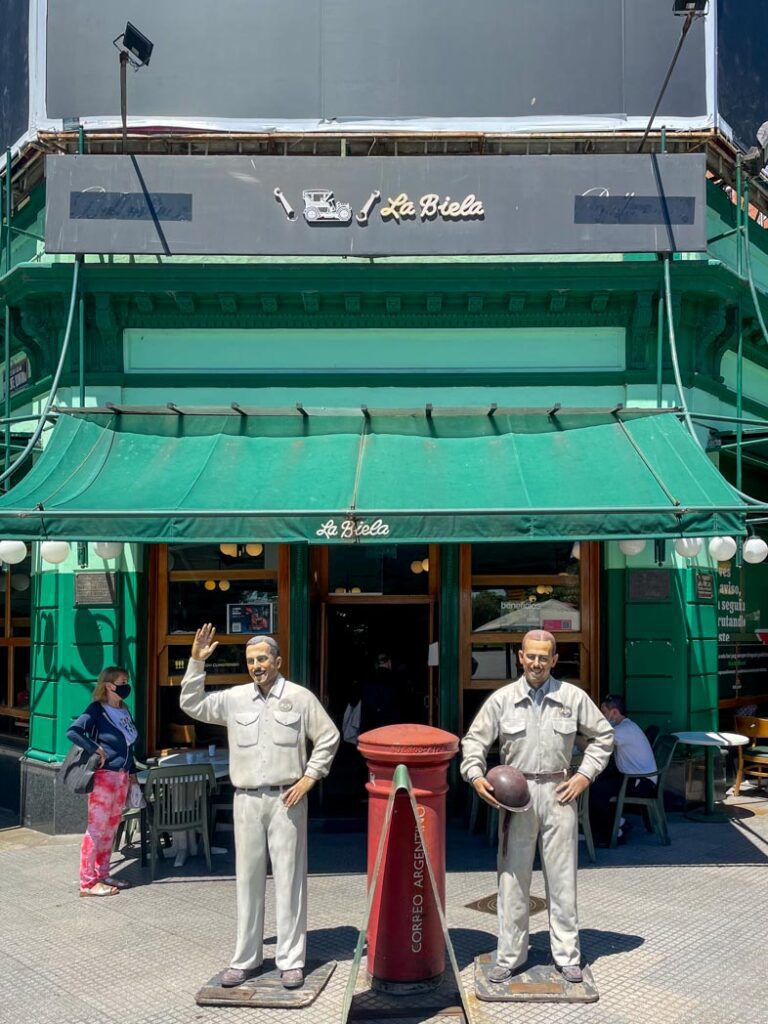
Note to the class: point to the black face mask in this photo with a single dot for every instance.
(122, 690)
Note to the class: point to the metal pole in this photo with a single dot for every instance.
(124, 96)
(739, 239)
(686, 26)
(81, 334)
(8, 195)
(660, 350)
(7, 336)
(739, 396)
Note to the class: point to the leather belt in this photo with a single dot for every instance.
(547, 776)
(265, 789)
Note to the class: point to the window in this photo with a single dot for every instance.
(508, 589)
(15, 618)
(243, 590)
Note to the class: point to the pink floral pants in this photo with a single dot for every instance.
(105, 807)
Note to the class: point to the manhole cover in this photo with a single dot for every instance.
(487, 904)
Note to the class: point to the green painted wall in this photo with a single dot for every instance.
(71, 645)
(662, 654)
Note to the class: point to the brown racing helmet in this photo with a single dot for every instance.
(510, 787)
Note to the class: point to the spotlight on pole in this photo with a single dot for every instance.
(134, 49)
(690, 10)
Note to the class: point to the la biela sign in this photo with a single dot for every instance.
(375, 206)
(352, 529)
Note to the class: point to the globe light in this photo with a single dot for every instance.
(425, 564)
(13, 551)
(632, 547)
(722, 549)
(224, 584)
(688, 547)
(54, 551)
(755, 550)
(417, 567)
(254, 550)
(20, 581)
(576, 550)
(108, 549)
(228, 549)
(210, 584)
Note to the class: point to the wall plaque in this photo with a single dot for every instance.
(99, 588)
(705, 586)
(649, 585)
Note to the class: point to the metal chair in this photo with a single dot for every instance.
(663, 751)
(178, 800)
(130, 819)
(753, 760)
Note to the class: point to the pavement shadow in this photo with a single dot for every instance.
(597, 943)
(328, 943)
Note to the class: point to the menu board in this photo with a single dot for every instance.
(742, 657)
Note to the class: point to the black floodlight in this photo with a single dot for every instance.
(135, 45)
(135, 49)
(682, 8)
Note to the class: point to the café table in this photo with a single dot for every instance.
(711, 741)
(185, 843)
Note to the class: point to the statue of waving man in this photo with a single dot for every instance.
(269, 723)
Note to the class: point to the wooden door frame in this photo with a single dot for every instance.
(323, 600)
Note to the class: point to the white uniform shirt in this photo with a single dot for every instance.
(537, 739)
(633, 753)
(267, 735)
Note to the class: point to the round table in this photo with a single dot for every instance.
(710, 741)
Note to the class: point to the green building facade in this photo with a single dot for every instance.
(169, 344)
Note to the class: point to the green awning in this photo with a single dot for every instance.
(151, 475)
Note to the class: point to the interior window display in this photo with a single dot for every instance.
(400, 569)
(241, 588)
(15, 619)
(509, 589)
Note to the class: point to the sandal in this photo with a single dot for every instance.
(100, 889)
(116, 883)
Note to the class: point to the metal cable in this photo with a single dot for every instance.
(673, 352)
(35, 437)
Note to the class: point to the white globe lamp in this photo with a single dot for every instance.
(755, 550)
(13, 551)
(688, 547)
(632, 547)
(20, 581)
(108, 549)
(54, 551)
(722, 549)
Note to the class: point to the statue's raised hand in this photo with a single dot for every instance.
(204, 645)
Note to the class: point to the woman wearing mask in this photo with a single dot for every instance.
(106, 728)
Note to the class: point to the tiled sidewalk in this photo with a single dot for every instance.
(663, 927)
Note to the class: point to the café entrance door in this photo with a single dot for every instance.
(376, 622)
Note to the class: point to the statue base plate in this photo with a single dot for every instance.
(538, 983)
(265, 988)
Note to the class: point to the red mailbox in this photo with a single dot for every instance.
(405, 939)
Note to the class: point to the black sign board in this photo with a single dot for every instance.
(375, 206)
(705, 586)
(649, 584)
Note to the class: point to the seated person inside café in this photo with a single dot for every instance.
(632, 755)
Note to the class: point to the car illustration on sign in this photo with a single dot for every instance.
(321, 205)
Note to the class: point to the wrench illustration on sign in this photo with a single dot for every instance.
(362, 217)
(290, 213)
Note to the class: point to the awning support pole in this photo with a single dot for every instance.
(742, 218)
(673, 350)
(647, 463)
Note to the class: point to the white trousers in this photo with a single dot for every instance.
(555, 827)
(265, 827)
